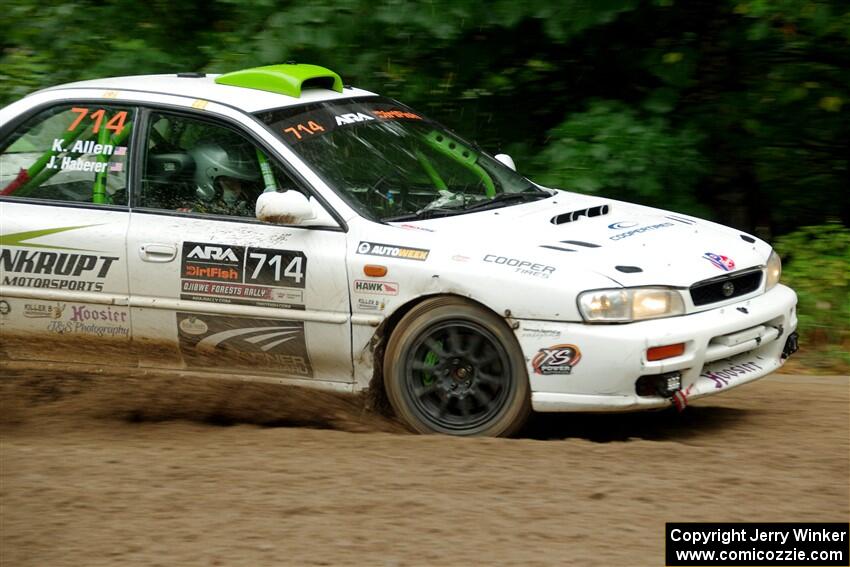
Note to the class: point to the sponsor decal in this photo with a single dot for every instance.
(723, 262)
(414, 227)
(364, 304)
(352, 118)
(396, 114)
(43, 310)
(76, 270)
(536, 332)
(640, 230)
(520, 266)
(392, 251)
(558, 359)
(622, 225)
(379, 288)
(193, 326)
(242, 342)
(82, 319)
(212, 262)
(5, 308)
(262, 277)
(461, 258)
(722, 377)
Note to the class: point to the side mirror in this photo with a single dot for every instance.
(289, 207)
(506, 160)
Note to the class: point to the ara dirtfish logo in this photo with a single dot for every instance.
(725, 263)
(352, 118)
(209, 252)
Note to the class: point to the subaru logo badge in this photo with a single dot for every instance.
(728, 289)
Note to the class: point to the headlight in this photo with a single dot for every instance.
(773, 270)
(625, 305)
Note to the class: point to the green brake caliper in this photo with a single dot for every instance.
(431, 360)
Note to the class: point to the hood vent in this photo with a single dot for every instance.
(580, 243)
(575, 215)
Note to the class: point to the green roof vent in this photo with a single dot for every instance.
(287, 79)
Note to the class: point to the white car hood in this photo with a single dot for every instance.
(629, 244)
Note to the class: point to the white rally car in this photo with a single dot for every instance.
(274, 224)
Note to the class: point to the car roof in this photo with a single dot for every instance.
(200, 86)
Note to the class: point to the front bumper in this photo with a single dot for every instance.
(724, 348)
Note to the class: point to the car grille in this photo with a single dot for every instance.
(718, 289)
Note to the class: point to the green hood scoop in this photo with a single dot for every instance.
(286, 79)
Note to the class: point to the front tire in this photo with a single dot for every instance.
(453, 367)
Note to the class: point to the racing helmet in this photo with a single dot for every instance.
(213, 161)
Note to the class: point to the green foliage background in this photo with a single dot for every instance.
(736, 110)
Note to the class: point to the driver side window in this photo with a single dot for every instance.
(197, 166)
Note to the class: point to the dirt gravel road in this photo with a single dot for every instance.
(153, 470)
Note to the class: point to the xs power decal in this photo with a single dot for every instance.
(262, 277)
(392, 251)
(242, 342)
(25, 263)
(558, 359)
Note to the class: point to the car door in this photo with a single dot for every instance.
(63, 224)
(212, 288)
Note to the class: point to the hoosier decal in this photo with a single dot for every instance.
(722, 377)
(392, 251)
(242, 342)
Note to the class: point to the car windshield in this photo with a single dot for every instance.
(392, 164)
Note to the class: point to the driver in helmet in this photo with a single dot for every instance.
(226, 180)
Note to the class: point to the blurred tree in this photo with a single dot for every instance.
(736, 109)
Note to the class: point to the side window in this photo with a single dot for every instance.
(78, 152)
(196, 166)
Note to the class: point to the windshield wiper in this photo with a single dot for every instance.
(505, 198)
(425, 214)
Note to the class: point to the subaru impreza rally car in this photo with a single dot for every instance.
(274, 224)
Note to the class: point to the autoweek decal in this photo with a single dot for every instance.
(392, 251)
(558, 359)
(242, 275)
(242, 342)
(71, 269)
